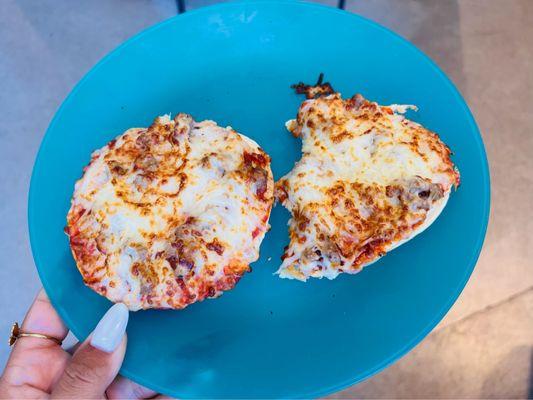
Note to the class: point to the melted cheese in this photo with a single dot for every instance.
(368, 180)
(172, 214)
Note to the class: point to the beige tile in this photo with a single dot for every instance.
(433, 26)
(487, 355)
(498, 66)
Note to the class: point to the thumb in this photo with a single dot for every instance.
(97, 361)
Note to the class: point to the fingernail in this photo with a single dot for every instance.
(109, 332)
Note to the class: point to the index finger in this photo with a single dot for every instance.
(38, 362)
(43, 318)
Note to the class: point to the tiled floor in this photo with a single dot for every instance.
(484, 347)
(486, 355)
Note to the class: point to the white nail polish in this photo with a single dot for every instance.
(109, 332)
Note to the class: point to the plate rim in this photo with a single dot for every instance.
(485, 176)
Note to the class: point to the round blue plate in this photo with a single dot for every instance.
(269, 337)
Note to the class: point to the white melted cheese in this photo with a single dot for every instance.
(223, 205)
(340, 144)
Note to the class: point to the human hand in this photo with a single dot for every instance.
(41, 368)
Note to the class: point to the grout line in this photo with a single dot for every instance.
(486, 308)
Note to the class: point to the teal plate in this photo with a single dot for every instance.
(268, 337)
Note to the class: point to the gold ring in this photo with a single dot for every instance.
(16, 333)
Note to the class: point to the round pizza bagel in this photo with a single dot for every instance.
(170, 215)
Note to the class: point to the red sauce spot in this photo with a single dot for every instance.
(281, 191)
(261, 189)
(285, 255)
(254, 159)
(173, 261)
(256, 232)
(178, 245)
(143, 141)
(216, 246)
(181, 283)
(79, 213)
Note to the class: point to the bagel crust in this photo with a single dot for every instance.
(170, 215)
